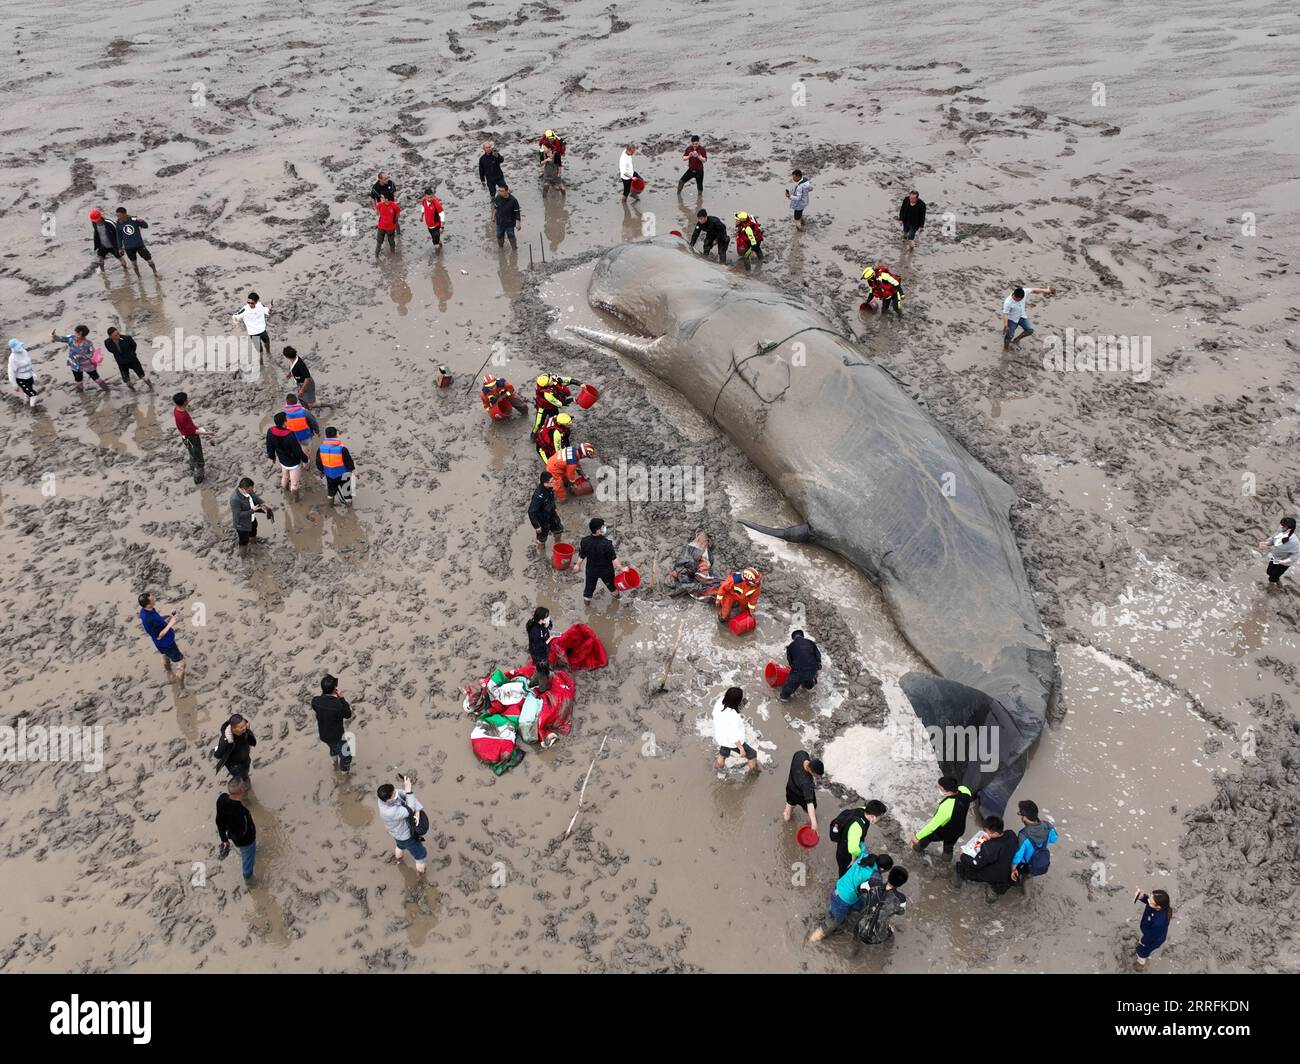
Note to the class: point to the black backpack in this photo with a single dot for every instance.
(844, 820)
(419, 822)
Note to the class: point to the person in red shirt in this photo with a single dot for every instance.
(694, 155)
(190, 434)
(433, 216)
(388, 210)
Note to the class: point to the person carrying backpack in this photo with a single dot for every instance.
(1032, 857)
(849, 831)
(884, 902)
(405, 821)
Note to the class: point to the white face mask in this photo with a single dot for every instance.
(604, 531)
(547, 622)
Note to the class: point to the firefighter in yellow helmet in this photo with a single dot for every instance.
(749, 238)
(553, 435)
(885, 286)
(553, 144)
(551, 396)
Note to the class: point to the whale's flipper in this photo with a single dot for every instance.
(793, 534)
(977, 740)
(624, 343)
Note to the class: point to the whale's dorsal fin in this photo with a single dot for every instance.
(792, 534)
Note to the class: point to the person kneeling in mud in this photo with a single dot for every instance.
(729, 730)
(849, 895)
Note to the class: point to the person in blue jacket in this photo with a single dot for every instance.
(1156, 914)
(1032, 857)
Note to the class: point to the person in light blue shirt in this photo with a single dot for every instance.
(848, 896)
(798, 196)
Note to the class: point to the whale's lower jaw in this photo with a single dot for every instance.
(637, 347)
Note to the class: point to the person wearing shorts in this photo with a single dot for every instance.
(162, 631)
(1014, 317)
(395, 810)
(282, 447)
(131, 239)
(254, 315)
(729, 730)
(911, 216)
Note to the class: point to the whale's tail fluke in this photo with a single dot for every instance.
(623, 343)
(791, 534)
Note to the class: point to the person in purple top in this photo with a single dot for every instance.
(161, 630)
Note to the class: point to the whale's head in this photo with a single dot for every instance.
(651, 285)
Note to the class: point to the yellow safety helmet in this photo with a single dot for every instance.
(543, 381)
(741, 216)
(549, 133)
(868, 273)
(563, 419)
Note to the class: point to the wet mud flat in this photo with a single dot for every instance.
(1172, 757)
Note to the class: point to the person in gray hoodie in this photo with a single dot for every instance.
(1283, 549)
(798, 196)
(245, 505)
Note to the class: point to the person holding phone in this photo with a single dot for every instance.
(1156, 914)
(396, 809)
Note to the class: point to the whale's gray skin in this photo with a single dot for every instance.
(874, 477)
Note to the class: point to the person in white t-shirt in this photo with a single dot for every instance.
(253, 315)
(1283, 548)
(1014, 316)
(729, 729)
(627, 170)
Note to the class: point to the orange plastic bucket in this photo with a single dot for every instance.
(628, 580)
(742, 623)
(562, 555)
(775, 674)
(588, 396)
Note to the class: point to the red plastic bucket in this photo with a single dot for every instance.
(500, 410)
(806, 837)
(581, 486)
(674, 232)
(628, 580)
(638, 184)
(587, 397)
(742, 623)
(775, 674)
(562, 555)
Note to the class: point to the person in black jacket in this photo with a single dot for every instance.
(805, 662)
(331, 710)
(509, 215)
(235, 825)
(992, 861)
(911, 216)
(601, 557)
(282, 446)
(714, 231)
(542, 514)
(539, 637)
(490, 174)
(122, 348)
(104, 234)
(383, 186)
(234, 750)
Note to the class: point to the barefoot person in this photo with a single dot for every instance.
(397, 809)
(851, 890)
(1014, 316)
(283, 448)
(729, 730)
(304, 383)
(1283, 548)
(1154, 928)
(798, 196)
(162, 630)
(801, 786)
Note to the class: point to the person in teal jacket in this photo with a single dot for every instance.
(848, 896)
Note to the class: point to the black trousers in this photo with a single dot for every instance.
(379, 240)
(592, 578)
(948, 844)
(721, 245)
(127, 366)
(1275, 572)
(194, 446)
(692, 175)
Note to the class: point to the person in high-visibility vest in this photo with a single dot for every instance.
(299, 420)
(335, 461)
(551, 396)
(739, 591)
(499, 398)
(749, 238)
(563, 467)
(885, 286)
(553, 435)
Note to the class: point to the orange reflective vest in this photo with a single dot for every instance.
(331, 457)
(296, 421)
